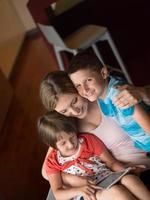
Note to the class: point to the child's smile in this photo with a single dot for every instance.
(67, 144)
(89, 84)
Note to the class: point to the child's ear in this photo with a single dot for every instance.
(104, 72)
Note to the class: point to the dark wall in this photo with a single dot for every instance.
(127, 21)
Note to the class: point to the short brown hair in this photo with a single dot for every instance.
(85, 59)
(53, 85)
(52, 123)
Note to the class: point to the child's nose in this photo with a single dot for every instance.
(75, 110)
(70, 144)
(86, 87)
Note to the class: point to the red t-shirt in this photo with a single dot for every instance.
(91, 146)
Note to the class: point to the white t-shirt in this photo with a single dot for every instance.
(119, 143)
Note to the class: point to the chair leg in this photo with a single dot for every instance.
(96, 51)
(59, 59)
(108, 38)
(75, 52)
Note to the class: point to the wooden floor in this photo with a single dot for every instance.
(21, 152)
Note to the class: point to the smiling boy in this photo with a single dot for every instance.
(93, 82)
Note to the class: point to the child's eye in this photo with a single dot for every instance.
(63, 111)
(78, 86)
(74, 136)
(89, 79)
(74, 100)
(62, 143)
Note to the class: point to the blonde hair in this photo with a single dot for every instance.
(52, 86)
(52, 124)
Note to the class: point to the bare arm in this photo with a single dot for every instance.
(146, 94)
(69, 192)
(75, 181)
(110, 161)
(115, 165)
(130, 95)
(142, 118)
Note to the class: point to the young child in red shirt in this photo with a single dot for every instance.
(83, 155)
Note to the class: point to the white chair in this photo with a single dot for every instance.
(85, 37)
(53, 38)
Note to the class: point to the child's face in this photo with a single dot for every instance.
(72, 105)
(90, 84)
(67, 144)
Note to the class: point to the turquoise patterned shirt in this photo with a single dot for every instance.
(124, 117)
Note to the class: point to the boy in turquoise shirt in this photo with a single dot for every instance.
(93, 82)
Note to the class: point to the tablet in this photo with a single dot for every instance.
(113, 178)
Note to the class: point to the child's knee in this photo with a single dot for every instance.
(111, 193)
(128, 179)
(116, 190)
(99, 194)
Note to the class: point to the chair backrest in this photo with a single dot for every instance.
(51, 35)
